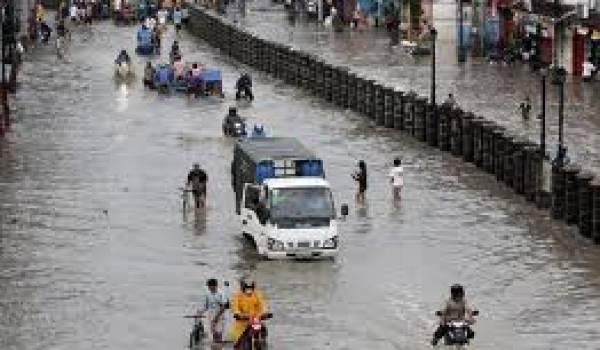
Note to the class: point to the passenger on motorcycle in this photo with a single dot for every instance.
(123, 57)
(258, 131)
(214, 307)
(179, 67)
(197, 180)
(246, 303)
(244, 87)
(149, 75)
(454, 309)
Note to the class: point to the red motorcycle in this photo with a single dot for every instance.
(255, 336)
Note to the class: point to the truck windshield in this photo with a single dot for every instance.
(309, 206)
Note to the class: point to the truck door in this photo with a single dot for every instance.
(250, 224)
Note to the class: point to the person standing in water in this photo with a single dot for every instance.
(360, 176)
(397, 179)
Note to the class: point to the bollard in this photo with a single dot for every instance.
(273, 52)
(360, 94)
(388, 107)
(456, 140)
(443, 126)
(487, 146)
(558, 192)
(419, 118)
(319, 82)
(500, 140)
(298, 68)
(509, 169)
(595, 190)
(572, 194)
(289, 74)
(431, 125)
(336, 86)
(476, 126)
(351, 102)
(408, 120)
(399, 108)
(467, 136)
(519, 166)
(379, 104)
(327, 74)
(531, 171)
(369, 98)
(586, 202)
(343, 76)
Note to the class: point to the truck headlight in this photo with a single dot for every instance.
(331, 243)
(274, 244)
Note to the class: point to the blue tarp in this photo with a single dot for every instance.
(211, 75)
(164, 75)
(144, 37)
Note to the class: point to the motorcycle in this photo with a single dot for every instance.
(255, 337)
(197, 332)
(235, 128)
(458, 332)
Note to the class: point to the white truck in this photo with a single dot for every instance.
(283, 202)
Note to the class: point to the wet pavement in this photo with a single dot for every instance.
(492, 91)
(96, 254)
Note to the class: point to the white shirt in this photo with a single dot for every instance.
(73, 11)
(397, 175)
(588, 68)
(162, 17)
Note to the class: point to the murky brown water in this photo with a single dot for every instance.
(95, 252)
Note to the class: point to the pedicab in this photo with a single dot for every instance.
(164, 78)
(145, 44)
(213, 83)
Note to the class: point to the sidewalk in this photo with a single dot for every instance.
(492, 91)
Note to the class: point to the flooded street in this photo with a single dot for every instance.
(95, 252)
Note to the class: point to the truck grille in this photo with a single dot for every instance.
(303, 244)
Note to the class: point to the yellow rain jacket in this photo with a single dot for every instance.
(252, 305)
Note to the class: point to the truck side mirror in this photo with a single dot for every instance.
(344, 209)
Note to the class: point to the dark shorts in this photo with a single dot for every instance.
(199, 190)
(178, 26)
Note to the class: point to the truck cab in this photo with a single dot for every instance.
(292, 218)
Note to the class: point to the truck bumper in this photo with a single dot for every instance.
(314, 254)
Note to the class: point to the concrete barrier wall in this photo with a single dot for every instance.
(515, 162)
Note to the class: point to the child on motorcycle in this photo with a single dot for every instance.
(214, 307)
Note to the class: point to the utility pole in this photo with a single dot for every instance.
(461, 52)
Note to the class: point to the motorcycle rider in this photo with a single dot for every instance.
(258, 131)
(454, 309)
(215, 304)
(197, 180)
(246, 303)
(244, 87)
(123, 57)
(232, 118)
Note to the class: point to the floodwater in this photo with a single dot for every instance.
(492, 91)
(95, 252)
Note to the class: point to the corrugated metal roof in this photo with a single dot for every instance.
(275, 148)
